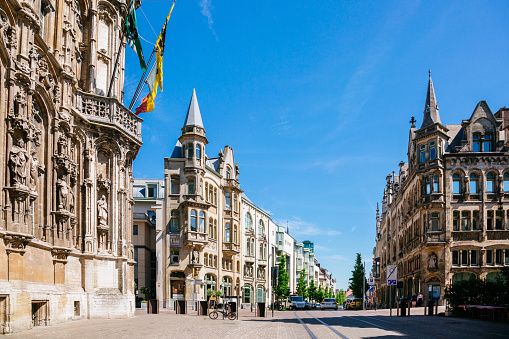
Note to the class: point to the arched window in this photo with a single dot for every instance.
(506, 182)
(211, 228)
(193, 220)
(260, 294)
(474, 179)
(198, 152)
(175, 222)
(476, 145)
(490, 183)
(201, 225)
(249, 221)
(227, 232)
(235, 234)
(227, 286)
(456, 184)
(248, 292)
(261, 227)
(228, 172)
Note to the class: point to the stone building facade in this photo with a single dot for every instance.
(67, 153)
(445, 214)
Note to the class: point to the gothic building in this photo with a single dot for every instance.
(445, 214)
(67, 151)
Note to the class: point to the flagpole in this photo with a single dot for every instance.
(136, 93)
(141, 89)
(116, 61)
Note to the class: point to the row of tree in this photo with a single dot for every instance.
(311, 292)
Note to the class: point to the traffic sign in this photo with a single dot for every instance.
(391, 283)
(392, 275)
(371, 288)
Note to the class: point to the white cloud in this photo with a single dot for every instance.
(354, 228)
(336, 257)
(206, 10)
(299, 226)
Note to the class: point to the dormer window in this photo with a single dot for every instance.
(432, 150)
(476, 145)
(228, 172)
(486, 145)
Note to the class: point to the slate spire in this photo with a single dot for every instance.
(431, 115)
(193, 117)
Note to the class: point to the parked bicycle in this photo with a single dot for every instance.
(226, 313)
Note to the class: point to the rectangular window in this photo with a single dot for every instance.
(456, 188)
(135, 229)
(507, 256)
(506, 183)
(428, 186)
(476, 147)
(206, 259)
(455, 258)
(435, 185)
(475, 220)
(498, 257)
(174, 257)
(464, 258)
(435, 222)
(190, 186)
(189, 151)
(499, 221)
(152, 190)
(465, 221)
(486, 146)
(489, 223)
(455, 221)
(175, 185)
(489, 186)
(432, 152)
(489, 257)
(422, 154)
(473, 258)
(473, 186)
(227, 198)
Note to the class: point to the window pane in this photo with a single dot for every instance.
(489, 186)
(432, 153)
(456, 187)
(175, 185)
(227, 201)
(476, 147)
(475, 221)
(473, 187)
(486, 147)
(506, 185)
(455, 258)
(464, 258)
(422, 156)
(489, 257)
(507, 257)
(473, 258)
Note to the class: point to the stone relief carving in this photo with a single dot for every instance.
(36, 169)
(63, 194)
(432, 261)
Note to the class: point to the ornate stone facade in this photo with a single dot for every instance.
(445, 215)
(67, 153)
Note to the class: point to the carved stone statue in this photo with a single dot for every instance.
(195, 257)
(17, 160)
(432, 261)
(102, 211)
(63, 194)
(71, 201)
(34, 171)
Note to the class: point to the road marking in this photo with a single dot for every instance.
(329, 327)
(367, 322)
(311, 335)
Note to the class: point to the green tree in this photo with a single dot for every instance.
(312, 290)
(327, 292)
(147, 291)
(357, 278)
(340, 297)
(319, 295)
(282, 289)
(302, 284)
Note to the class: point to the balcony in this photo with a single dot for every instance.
(434, 238)
(230, 249)
(108, 111)
(192, 239)
(232, 183)
(145, 217)
(497, 235)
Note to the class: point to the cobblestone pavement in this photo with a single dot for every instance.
(289, 324)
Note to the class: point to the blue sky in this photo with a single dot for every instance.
(315, 98)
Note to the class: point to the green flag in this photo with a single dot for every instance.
(131, 31)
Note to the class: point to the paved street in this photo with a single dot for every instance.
(289, 324)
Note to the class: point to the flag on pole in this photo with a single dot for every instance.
(155, 77)
(133, 40)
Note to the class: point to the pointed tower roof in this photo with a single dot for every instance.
(193, 117)
(431, 115)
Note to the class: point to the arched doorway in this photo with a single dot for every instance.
(247, 294)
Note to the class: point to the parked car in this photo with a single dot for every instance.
(298, 303)
(354, 304)
(329, 303)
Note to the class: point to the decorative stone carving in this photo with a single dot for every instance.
(36, 170)
(195, 256)
(16, 243)
(103, 183)
(432, 261)
(102, 213)
(63, 194)
(18, 158)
